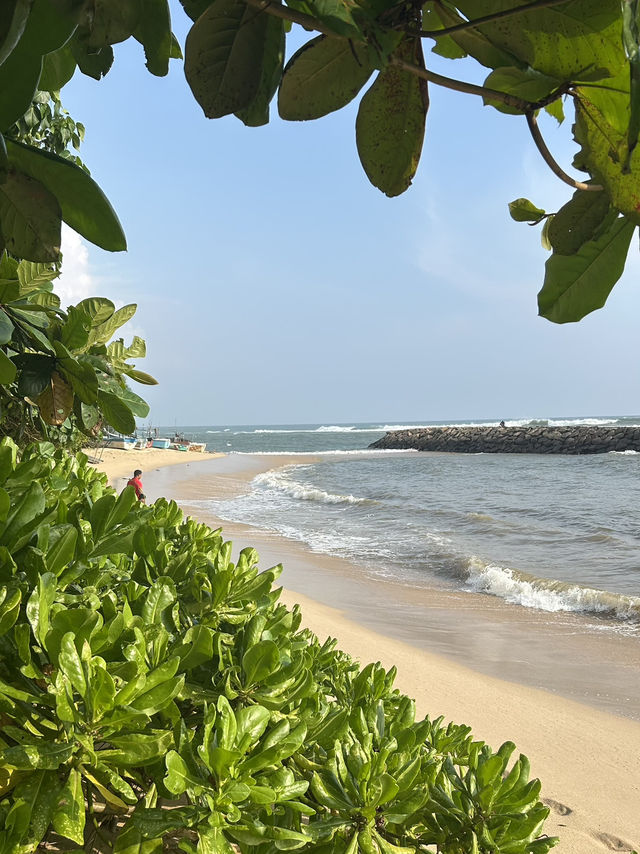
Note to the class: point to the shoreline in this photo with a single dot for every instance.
(586, 758)
(570, 654)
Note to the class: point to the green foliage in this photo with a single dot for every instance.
(548, 56)
(47, 125)
(57, 367)
(155, 696)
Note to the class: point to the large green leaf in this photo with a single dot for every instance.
(223, 56)
(337, 15)
(38, 795)
(580, 220)
(55, 401)
(116, 412)
(524, 83)
(69, 817)
(465, 42)
(136, 404)
(140, 376)
(6, 328)
(81, 376)
(58, 68)
(111, 21)
(93, 63)
(604, 153)
(260, 660)
(35, 373)
(322, 76)
(390, 126)
(74, 333)
(9, 603)
(35, 277)
(30, 218)
(62, 551)
(195, 8)
(47, 755)
(13, 19)
(99, 309)
(48, 27)
(561, 41)
(104, 332)
(154, 33)
(138, 749)
(83, 204)
(257, 112)
(577, 284)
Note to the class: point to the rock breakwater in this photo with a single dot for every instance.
(514, 440)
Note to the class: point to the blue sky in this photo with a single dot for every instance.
(275, 285)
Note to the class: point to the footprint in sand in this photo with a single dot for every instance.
(614, 843)
(557, 807)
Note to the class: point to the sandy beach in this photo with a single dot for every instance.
(588, 758)
(119, 465)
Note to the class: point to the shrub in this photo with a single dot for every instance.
(155, 696)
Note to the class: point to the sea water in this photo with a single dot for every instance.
(555, 533)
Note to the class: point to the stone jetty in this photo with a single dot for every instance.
(514, 440)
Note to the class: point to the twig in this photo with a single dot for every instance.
(555, 167)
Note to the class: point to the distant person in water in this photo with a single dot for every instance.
(136, 483)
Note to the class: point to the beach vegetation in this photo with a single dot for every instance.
(62, 377)
(544, 56)
(156, 696)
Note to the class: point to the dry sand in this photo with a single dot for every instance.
(119, 465)
(588, 760)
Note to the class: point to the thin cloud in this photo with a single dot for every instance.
(75, 282)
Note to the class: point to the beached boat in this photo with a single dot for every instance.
(180, 443)
(160, 443)
(121, 443)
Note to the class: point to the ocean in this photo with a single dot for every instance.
(553, 533)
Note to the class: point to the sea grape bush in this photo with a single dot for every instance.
(155, 696)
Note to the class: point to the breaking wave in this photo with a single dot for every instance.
(547, 594)
(280, 480)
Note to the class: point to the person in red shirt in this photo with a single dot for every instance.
(136, 483)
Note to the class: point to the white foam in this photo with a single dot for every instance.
(355, 452)
(547, 594)
(281, 481)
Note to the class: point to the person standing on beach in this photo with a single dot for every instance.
(136, 483)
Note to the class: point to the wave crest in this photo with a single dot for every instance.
(520, 588)
(280, 481)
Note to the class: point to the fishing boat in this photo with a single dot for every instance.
(180, 443)
(160, 443)
(121, 443)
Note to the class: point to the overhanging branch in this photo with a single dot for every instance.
(548, 158)
(529, 108)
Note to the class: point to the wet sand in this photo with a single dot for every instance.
(511, 673)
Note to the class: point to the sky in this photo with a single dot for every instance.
(275, 285)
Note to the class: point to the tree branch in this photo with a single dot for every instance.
(311, 23)
(529, 108)
(485, 19)
(555, 167)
